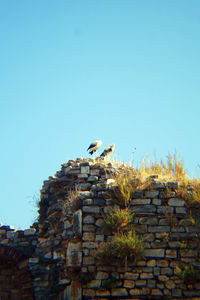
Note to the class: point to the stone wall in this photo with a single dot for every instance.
(60, 253)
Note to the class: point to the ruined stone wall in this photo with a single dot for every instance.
(61, 253)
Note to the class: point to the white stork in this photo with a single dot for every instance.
(108, 150)
(94, 146)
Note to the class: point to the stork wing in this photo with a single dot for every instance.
(92, 145)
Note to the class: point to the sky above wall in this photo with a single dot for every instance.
(71, 72)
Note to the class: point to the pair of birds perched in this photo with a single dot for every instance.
(95, 146)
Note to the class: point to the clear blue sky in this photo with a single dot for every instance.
(71, 72)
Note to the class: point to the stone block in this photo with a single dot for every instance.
(94, 284)
(165, 210)
(94, 172)
(99, 201)
(28, 232)
(100, 222)
(140, 283)
(147, 209)
(156, 202)
(102, 293)
(178, 229)
(151, 283)
(158, 229)
(156, 271)
(119, 292)
(99, 238)
(91, 209)
(188, 253)
(156, 292)
(176, 202)
(92, 179)
(177, 293)
(162, 263)
(74, 254)
(137, 195)
(171, 253)
(87, 293)
(84, 194)
(181, 210)
(166, 271)
(85, 169)
(129, 284)
(83, 176)
(148, 220)
(151, 263)
(83, 186)
(77, 225)
(90, 245)
(146, 276)
(10, 234)
(89, 228)
(183, 236)
(139, 292)
(129, 275)
(170, 284)
(154, 253)
(67, 225)
(88, 220)
(102, 275)
(152, 194)
(87, 202)
(140, 201)
(88, 236)
(163, 278)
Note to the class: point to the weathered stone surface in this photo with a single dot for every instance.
(102, 275)
(129, 283)
(120, 292)
(99, 238)
(140, 201)
(156, 202)
(89, 245)
(154, 253)
(181, 210)
(74, 254)
(165, 210)
(28, 232)
(170, 284)
(176, 202)
(100, 222)
(89, 220)
(152, 194)
(89, 227)
(88, 292)
(189, 253)
(77, 226)
(148, 220)
(151, 263)
(85, 169)
(146, 276)
(95, 284)
(88, 236)
(147, 209)
(88, 202)
(156, 292)
(83, 186)
(91, 209)
(129, 275)
(158, 229)
(92, 179)
(171, 253)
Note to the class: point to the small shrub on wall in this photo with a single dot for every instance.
(124, 247)
(118, 220)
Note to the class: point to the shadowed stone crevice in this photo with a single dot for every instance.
(15, 277)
